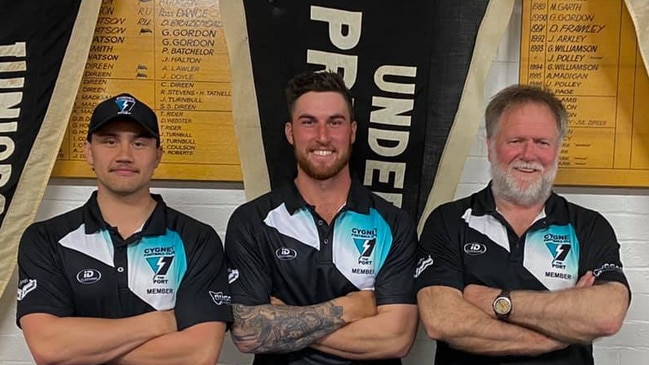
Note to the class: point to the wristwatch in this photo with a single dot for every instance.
(502, 305)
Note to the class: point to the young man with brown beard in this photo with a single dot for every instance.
(321, 267)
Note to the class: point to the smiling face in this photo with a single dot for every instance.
(523, 153)
(322, 133)
(123, 157)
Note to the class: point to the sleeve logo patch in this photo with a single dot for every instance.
(423, 264)
(607, 268)
(25, 286)
(233, 275)
(219, 298)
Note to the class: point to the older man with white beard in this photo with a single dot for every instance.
(516, 274)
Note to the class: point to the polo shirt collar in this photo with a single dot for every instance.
(155, 225)
(358, 198)
(484, 203)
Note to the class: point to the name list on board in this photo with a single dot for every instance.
(172, 55)
(586, 52)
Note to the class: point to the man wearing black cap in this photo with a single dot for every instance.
(124, 279)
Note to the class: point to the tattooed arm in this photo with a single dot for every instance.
(269, 328)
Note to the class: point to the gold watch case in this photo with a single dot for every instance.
(502, 305)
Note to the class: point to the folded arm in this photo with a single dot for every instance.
(199, 344)
(81, 340)
(388, 334)
(270, 328)
(566, 315)
(570, 315)
(448, 317)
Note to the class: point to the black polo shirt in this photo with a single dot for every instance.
(468, 242)
(76, 265)
(278, 246)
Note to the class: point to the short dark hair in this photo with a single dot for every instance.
(516, 95)
(321, 81)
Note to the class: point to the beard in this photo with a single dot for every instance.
(318, 171)
(507, 187)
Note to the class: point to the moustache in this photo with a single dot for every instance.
(527, 166)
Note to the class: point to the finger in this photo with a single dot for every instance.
(276, 301)
(588, 279)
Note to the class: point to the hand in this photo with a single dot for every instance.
(481, 296)
(585, 281)
(553, 345)
(357, 305)
(166, 320)
(542, 344)
(276, 301)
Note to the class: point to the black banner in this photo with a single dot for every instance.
(404, 63)
(34, 37)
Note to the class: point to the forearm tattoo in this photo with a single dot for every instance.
(280, 329)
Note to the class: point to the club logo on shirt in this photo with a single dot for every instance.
(559, 246)
(24, 287)
(159, 260)
(365, 240)
(365, 247)
(88, 276)
(552, 256)
(219, 298)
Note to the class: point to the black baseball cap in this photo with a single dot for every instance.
(124, 107)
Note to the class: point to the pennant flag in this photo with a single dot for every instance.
(405, 65)
(43, 50)
(639, 11)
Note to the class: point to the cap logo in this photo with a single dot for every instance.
(125, 104)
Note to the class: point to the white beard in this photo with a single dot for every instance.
(507, 187)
